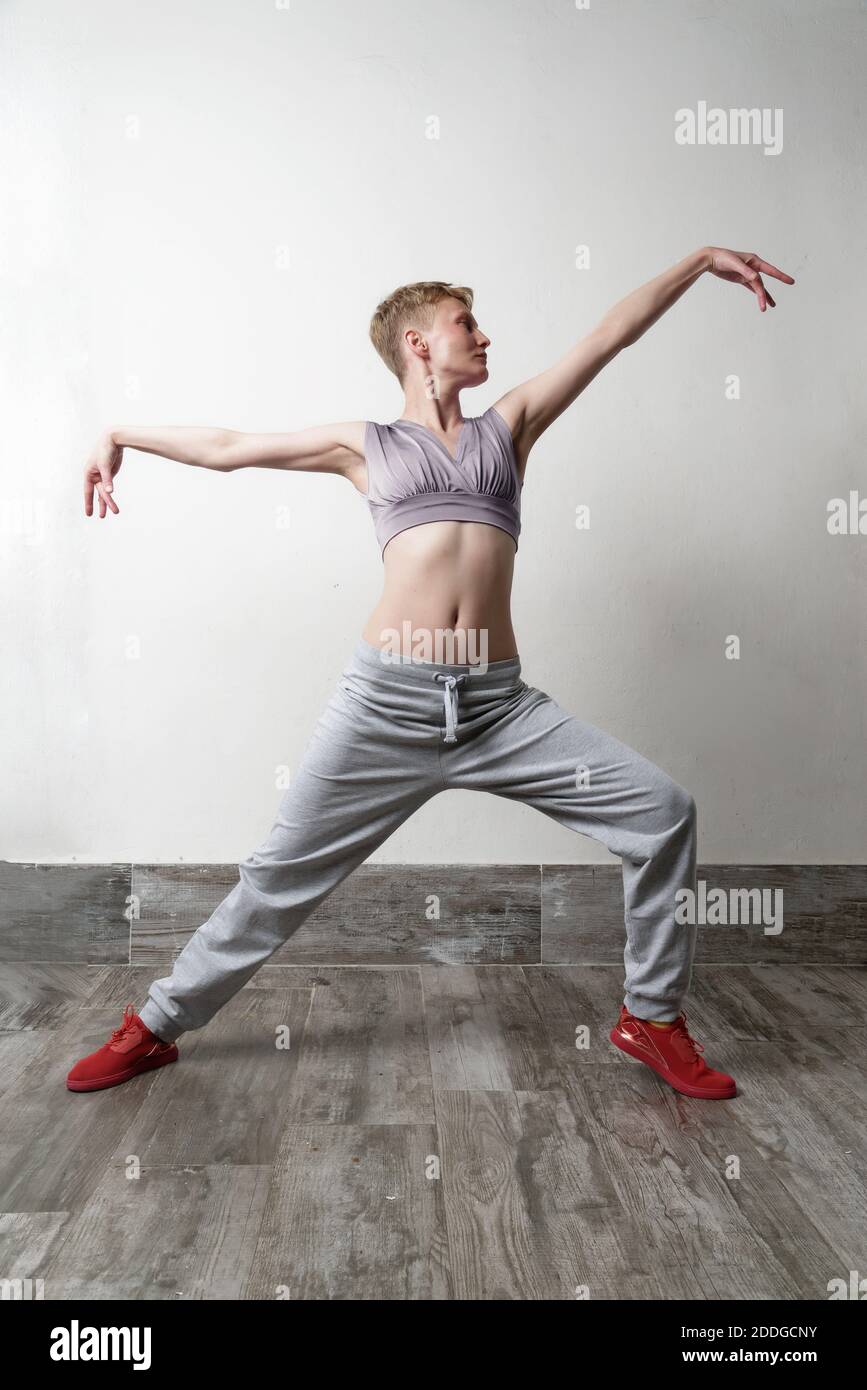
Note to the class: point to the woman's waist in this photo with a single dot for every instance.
(441, 638)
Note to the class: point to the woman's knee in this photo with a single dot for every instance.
(675, 806)
(680, 805)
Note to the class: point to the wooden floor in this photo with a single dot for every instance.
(432, 1132)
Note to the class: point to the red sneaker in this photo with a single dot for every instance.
(673, 1054)
(131, 1048)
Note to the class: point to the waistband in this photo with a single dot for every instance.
(415, 669)
(495, 681)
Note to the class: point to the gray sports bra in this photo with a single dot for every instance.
(413, 479)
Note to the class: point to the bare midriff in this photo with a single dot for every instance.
(447, 577)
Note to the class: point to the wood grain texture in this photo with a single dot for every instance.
(824, 915)
(65, 912)
(475, 914)
(434, 1133)
(171, 1232)
(352, 1213)
(443, 913)
(364, 1058)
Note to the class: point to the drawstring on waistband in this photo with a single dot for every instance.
(450, 696)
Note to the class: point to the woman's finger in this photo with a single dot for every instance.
(105, 498)
(767, 269)
(753, 282)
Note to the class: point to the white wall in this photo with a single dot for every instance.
(156, 158)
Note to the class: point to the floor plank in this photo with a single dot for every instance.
(484, 1030)
(353, 1212)
(166, 1233)
(43, 994)
(364, 1056)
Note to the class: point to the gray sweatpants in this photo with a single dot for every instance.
(393, 734)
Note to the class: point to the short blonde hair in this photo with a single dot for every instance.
(409, 306)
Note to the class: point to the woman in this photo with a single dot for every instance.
(432, 697)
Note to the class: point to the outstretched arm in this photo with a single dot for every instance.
(322, 449)
(531, 407)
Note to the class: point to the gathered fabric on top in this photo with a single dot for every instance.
(412, 479)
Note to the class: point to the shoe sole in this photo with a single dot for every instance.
(699, 1093)
(147, 1064)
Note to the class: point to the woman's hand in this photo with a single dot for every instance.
(99, 472)
(742, 268)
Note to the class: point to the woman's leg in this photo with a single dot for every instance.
(362, 774)
(587, 780)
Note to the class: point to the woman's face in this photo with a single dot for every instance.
(456, 345)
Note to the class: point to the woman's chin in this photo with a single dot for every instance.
(478, 375)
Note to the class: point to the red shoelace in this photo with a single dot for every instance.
(128, 1015)
(692, 1048)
